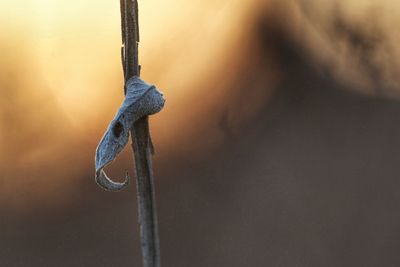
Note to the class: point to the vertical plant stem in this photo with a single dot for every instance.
(146, 196)
(141, 143)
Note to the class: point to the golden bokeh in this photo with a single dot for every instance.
(61, 79)
(61, 82)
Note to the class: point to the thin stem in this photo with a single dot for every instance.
(146, 195)
(140, 143)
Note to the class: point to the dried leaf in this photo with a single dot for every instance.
(141, 100)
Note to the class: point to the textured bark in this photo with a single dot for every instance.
(141, 143)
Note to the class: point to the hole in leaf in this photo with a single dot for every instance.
(118, 129)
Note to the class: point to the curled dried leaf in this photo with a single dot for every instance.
(141, 100)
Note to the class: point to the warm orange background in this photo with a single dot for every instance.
(220, 65)
(60, 74)
(61, 82)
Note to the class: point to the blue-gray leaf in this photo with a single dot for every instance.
(141, 100)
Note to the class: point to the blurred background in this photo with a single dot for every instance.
(278, 145)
